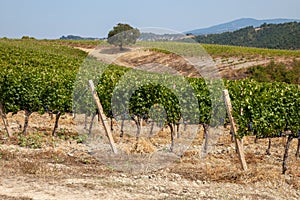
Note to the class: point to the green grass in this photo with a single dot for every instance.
(179, 48)
(76, 43)
(160, 50)
(49, 47)
(196, 49)
(187, 49)
(46, 42)
(235, 51)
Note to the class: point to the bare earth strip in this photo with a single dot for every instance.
(138, 58)
(139, 187)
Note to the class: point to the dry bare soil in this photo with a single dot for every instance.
(62, 168)
(144, 59)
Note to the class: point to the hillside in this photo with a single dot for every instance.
(77, 165)
(238, 24)
(273, 36)
(232, 62)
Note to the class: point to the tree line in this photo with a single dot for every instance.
(271, 36)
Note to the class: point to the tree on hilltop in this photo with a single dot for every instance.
(123, 34)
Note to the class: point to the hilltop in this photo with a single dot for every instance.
(238, 24)
(272, 36)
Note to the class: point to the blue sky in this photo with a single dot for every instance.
(54, 18)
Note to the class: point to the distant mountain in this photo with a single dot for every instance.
(74, 37)
(160, 37)
(272, 36)
(238, 24)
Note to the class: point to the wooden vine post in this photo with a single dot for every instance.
(5, 123)
(238, 142)
(102, 117)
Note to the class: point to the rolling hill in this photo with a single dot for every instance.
(238, 24)
(272, 36)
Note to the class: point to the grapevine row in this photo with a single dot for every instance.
(35, 77)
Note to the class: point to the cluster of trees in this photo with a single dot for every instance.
(276, 72)
(75, 37)
(272, 36)
(123, 34)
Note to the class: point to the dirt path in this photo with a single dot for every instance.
(170, 186)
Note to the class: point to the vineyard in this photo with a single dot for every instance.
(52, 77)
(37, 77)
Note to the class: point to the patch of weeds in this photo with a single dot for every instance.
(79, 138)
(62, 134)
(33, 140)
(160, 51)
(82, 138)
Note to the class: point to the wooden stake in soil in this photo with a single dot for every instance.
(298, 148)
(286, 153)
(239, 142)
(205, 128)
(26, 121)
(57, 116)
(4, 119)
(102, 116)
(91, 123)
(268, 151)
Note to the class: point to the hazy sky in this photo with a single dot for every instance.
(54, 18)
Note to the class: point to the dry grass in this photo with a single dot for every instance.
(5, 197)
(57, 160)
(224, 166)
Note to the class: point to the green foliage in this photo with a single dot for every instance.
(123, 34)
(270, 108)
(74, 37)
(226, 51)
(34, 140)
(276, 72)
(28, 38)
(179, 48)
(134, 93)
(74, 43)
(79, 138)
(214, 50)
(272, 36)
(37, 76)
(160, 50)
